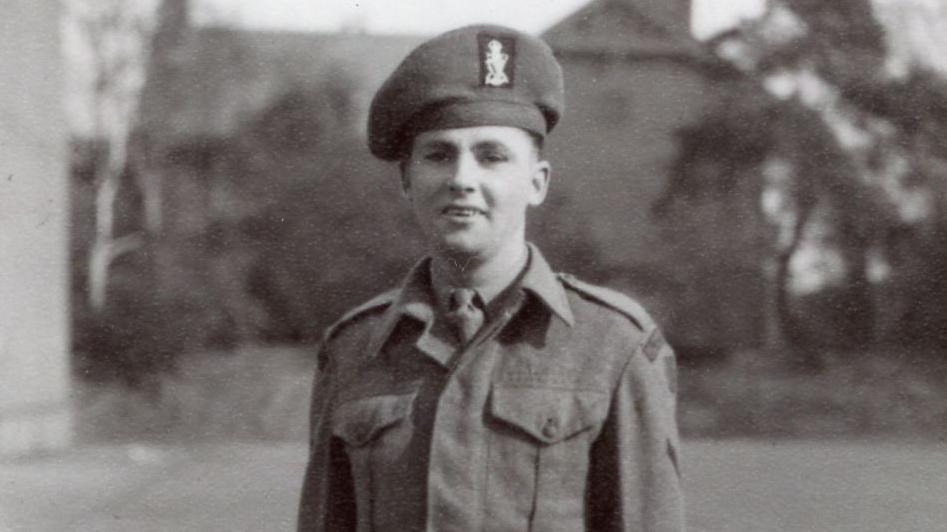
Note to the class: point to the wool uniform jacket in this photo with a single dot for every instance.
(559, 415)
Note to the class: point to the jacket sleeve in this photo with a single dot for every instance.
(328, 498)
(634, 476)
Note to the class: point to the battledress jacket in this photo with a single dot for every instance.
(558, 416)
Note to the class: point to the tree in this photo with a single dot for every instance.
(846, 145)
(109, 42)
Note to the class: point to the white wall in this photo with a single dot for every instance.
(34, 368)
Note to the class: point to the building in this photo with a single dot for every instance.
(636, 81)
(257, 142)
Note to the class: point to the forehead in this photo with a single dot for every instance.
(512, 138)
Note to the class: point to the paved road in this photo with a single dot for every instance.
(816, 487)
(233, 487)
(732, 487)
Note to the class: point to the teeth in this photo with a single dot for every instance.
(460, 211)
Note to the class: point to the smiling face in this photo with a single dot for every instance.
(470, 188)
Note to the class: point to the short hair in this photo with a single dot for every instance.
(539, 142)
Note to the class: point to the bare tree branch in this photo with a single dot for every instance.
(112, 38)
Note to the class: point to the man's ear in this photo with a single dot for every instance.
(539, 182)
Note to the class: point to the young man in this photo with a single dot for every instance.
(487, 392)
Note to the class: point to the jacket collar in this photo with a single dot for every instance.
(544, 284)
(415, 298)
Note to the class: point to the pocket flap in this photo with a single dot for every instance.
(358, 421)
(548, 415)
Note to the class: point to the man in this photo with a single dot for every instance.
(487, 392)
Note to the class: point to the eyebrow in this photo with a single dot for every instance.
(437, 144)
(491, 145)
(478, 146)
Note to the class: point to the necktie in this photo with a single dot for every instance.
(464, 314)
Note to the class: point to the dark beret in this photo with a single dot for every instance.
(480, 75)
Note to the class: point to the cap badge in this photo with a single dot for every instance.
(496, 67)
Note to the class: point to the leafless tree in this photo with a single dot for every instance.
(107, 45)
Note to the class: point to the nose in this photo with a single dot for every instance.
(463, 178)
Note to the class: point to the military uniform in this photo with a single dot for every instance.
(559, 415)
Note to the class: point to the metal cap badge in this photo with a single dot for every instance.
(497, 65)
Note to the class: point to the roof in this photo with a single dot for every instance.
(622, 28)
(216, 79)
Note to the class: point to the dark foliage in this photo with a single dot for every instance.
(844, 45)
(268, 236)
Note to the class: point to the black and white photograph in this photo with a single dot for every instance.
(453, 265)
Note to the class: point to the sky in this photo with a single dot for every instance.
(434, 16)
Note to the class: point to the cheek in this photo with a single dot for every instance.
(509, 204)
(417, 186)
(520, 191)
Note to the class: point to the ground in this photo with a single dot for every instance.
(739, 486)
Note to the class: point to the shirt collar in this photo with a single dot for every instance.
(415, 297)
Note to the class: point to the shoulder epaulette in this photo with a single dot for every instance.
(612, 299)
(380, 301)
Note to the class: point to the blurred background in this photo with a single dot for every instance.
(768, 177)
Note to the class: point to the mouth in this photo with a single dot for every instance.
(461, 211)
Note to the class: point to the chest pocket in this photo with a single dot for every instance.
(548, 415)
(359, 421)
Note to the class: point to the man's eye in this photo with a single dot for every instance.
(437, 157)
(493, 157)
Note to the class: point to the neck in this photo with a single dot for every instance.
(488, 276)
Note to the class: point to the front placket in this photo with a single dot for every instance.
(459, 452)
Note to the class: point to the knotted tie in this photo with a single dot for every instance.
(464, 314)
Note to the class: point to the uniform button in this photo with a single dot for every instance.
(551, 428)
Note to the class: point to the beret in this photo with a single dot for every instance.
(482, 75)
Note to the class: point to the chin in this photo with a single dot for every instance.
(454, 246)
